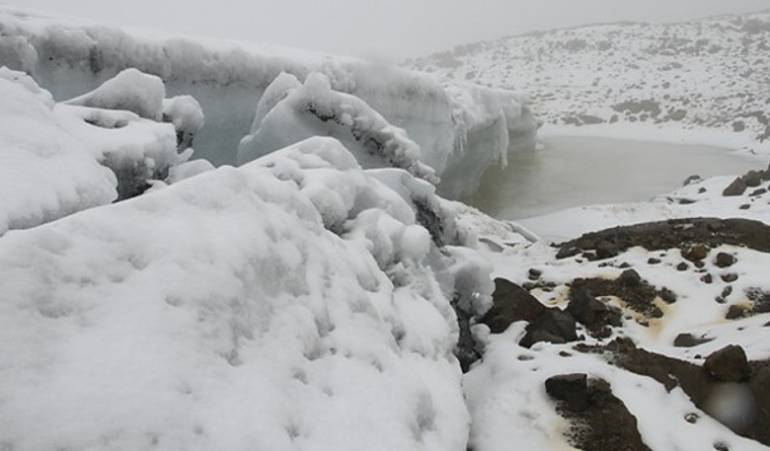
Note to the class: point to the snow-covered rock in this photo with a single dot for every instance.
(460, 128)
(293, 303)
(59, 158)
(130, 90)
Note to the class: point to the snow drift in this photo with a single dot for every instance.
(294, 303)
(61, 158)
(460, 128)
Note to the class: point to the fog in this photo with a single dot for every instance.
(382, 29)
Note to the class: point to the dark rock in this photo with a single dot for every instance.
(745, 207)
(690, 341)
(682, 266)
(567, 252)
(678, 233)
(737, 312)
(736, 188)
(724, 260)
(692, 417)
(696, 253)
(707, 279)
(591, 312)
(511, 303)
(630, 278)
(752, 179)
(572, 389)
(653, 261)
(727, 291)
(729, 364)
(606, 249)
(758, 192)
(535, 274)
(554, 326)
(668, 296)
(692, 179)
(730, 277)
(701, 190)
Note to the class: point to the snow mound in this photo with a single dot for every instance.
(291, 113)
(294, 303)
(60, 158)
(129, 90)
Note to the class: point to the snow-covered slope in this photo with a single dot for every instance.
(710, 73)
(455, 125)
(294, 303)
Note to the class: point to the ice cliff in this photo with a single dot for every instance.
(460, 128)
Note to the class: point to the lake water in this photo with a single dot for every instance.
(575, 171)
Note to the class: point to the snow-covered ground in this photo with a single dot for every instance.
(706, 77)
(460, 127)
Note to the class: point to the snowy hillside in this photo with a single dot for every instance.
(710, 73)
(458, 126)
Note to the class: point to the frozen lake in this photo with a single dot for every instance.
(575, 171)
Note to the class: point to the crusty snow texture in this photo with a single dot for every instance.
(292, 303)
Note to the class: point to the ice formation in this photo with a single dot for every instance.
(294, 303)
(59, 158)
(459, 128)
(289, 113)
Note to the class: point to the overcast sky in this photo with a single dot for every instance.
(389, 29)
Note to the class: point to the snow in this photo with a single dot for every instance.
(232, 311)
(44, 171)
(60, 158)
(129, 90)
(459, 128)
(187, 116)
(316, 110)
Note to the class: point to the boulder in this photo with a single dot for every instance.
(511, 303)
(553, 326)
(729, 364)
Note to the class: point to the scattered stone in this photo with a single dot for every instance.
(690, 341)
(730, 277)
(725, 260)
(692, 417)
(696, 253)
(707, 279)
(606, 249)
(727, 291)
(624, 265)
(653, 261)
(564, 354)
(720, 300)
(758, 192)
(668, 296)
(692, 179)
(572, 389)
(745, 207)
(535, 274)
(729, 364)
(736, 188)
(737, 312)
(594, 314)
(682, 266)
(567, 252)
(630, 278)
(701, 190)
(511, 303)
(720, 446)
(553, 326)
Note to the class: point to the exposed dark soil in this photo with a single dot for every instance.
(600, 421)
(676, 233)
(760, 303)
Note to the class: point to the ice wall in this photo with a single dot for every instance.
(460, 128)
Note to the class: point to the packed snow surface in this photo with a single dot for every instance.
(292, 303)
